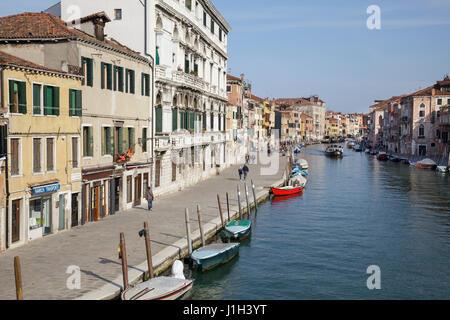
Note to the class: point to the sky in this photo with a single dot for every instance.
(298, 48)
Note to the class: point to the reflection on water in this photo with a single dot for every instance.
(355, 212)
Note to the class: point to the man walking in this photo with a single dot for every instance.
(245, 170)
(149, 197)
(240, 173)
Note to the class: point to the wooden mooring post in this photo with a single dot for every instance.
(188, 231)
(220, 210)
(254, 196)
(200, 225)
(148, 250)
(246, 197)
(239, 202)
(123, 252)
(228, 208)
(18, 277)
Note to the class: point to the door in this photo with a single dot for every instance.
(15, 220)
(137, 190)
(96, 203)
(117, 194)
(157, 173)
(47, 215)
(74, 209)
(62, 209)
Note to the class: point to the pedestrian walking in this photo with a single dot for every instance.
(149, 197)
(240, 173)
(245, 170)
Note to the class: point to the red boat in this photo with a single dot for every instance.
(284, 191)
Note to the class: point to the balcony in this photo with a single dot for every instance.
(181, 77)
(162, 143)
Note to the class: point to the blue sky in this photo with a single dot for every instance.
(293, 48)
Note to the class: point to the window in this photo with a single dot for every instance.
(130, 81)
(17, 97)
(174, 119)
(50, 154)
(74, 152)
(75, 105)
(106, 76)
(158, 120)
(88, 142)
(439, 102)
(204, 18)
(421, 113)
(118, 14)
(87, 66)
(211, 118)
(129, 191)
(448, 101)
(15, 153)
(37, 155)
(157, 56)
(51, 100)
(220, 34)
(145, 84)
(421, 131)
(144, 139)
(212, 26)
(118, 78)
(188, 4)
(107, 141)
(37, 99)
(130, 138)
(228, 89)
(422, 150)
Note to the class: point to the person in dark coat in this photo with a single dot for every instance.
(149, 197)
(245, 170)
(240, 173)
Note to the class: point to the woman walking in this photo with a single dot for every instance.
(149, 197)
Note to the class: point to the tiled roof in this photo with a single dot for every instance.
(13, 61)
(230, 77)
(43, 26)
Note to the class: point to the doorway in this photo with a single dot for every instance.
(15, 220)
(137, 190)
(74, 209)
(62, 209)
(96, 203)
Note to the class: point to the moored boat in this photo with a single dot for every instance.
(161, 288)
(298, 180)
(236, 230)
(357, 148)
(442, 169)
(334, 150)
(303, 164)
(382, 156)
(284, 191)
(212, 255)
(350, 144)
(425, 164)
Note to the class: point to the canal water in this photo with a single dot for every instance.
(355, 212)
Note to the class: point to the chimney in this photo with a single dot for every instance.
(242, 77)
(99, 27)
(94, 25)
(433, 92)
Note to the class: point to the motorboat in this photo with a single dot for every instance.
(350, 144)
(236, 230)
(334, 150)
(357, 148)
(382, 156)
(442, 169)
(425, 164)
(303, 164)
(212, 255)
(161, 288)
(367, 151)
(298, 180)
(284, 191)
(373, 152)
(394, 158)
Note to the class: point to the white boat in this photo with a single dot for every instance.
(161, 288)
(350, 144)
(442, 169)
(334, 150)
(357, 148)
(424, 164)
(303, 164)
(298, 181)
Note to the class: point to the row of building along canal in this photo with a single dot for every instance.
(356, 212)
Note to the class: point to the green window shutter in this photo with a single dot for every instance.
(103, 144)
(125, 141)
(144, 139)
(91, 142)
(11, 95)
(157, 56)
(147, 85)
(120, 141)
(132, 82)
(102, 68)
(120, 79)
(131, 141)
(191, 120)
(186, 66)
(110, 142)
(142, 83)
(78, 103)
(22, 97)
(37, 98)
(56, 101)
(48, 100)
(72, 102)
(174, 119)
(181, 120)
(90, 72)
(158, 123)
(127, 77)
(186, 120)
(115, 79)
(109, 78)
(83, 63)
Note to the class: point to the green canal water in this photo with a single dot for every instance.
(356, 212)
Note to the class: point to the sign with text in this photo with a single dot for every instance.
(48, 188)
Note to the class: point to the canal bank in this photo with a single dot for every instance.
(93, 248)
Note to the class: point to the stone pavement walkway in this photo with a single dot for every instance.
(93, 247)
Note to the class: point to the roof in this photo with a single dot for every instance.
(230, 77)
(93, 16)
(251, 96)
(13, 61)
(46, 26)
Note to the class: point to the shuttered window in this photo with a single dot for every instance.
(174, 119)
(37, 104)
(37, 155)
(15, 152)
(88, 142)
(130, 138)
(74, 152)
(51, 100)
(75, 103)
(17, 97)
(106, 76)
(87, 66)
(145, 84)
(191, 120)
(107, 141)
(158, 120)
(50, 154)
(144, 139)
(130, 81)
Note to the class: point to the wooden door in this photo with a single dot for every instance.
(62, 209)
(137, 190)
(74, 209)
(96, 203)
(15, 221)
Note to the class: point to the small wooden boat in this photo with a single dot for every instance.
(297, 180)
(334, 151)
(161, 288)
(382, 156)
(357, 148)
(212, 255)
(284, 191)
(303, 164)
(236, 230)
(350, 144)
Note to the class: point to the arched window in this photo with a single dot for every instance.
(175, 35)
(158, 114)
(174, 114)
(380, 120)
(421, 131)
(422, 113)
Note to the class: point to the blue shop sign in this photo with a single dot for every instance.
(48, 188)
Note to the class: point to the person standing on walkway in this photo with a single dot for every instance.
(149, 197)
(240, 173)
(245, 169)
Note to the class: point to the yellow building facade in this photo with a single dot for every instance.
(44, 110)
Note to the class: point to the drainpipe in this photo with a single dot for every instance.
(2, 102)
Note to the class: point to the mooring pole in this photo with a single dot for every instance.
(254, 196)
(239, 202)
(246, 197)
(200, 225)
(220, 210)
(149, 251)
(18, 276)
(188, 231)
(124, 260)
(228, 208)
